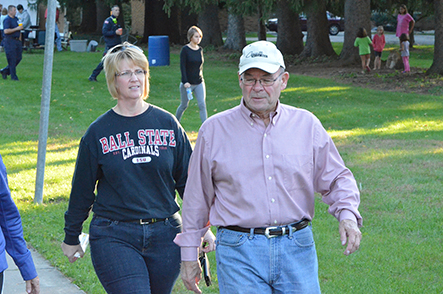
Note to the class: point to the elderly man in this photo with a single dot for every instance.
(12, 43)
(253, 174)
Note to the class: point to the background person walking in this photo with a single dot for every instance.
(363, 42)
(191, 67)
(12, 44)
(111, 31)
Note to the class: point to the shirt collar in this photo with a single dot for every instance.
(249, 115)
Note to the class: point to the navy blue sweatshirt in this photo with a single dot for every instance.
(136, 163)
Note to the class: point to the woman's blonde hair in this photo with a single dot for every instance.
(192, 30)
(113, 59)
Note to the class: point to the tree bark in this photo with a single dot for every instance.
(235, 39)
(102, 13)
(437, 64)
(89, 19)
(317, 41)
(261, 25)
(208, 22)
(157, 21)
(357, 15)
(290, 36)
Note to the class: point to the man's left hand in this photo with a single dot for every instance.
(209, 241)
(33, 286)
(350, 233)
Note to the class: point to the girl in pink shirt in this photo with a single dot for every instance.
(379, 43)
(405, 22)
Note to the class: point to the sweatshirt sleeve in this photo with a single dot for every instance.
(82, 193)
(11, 226)
(183, 59)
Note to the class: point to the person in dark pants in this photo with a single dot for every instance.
(111, 31)
(12, 43)
(131, 161)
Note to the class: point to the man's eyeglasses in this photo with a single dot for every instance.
(263, 82)
(124, 47)
(127, 74)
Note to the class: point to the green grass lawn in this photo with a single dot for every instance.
(391, 141)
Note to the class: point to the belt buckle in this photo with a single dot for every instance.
(149, 221)
(273, 228)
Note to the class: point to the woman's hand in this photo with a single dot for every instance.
(187, 85)
(70, 250)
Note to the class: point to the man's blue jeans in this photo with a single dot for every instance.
(134, 258)
(250, 263)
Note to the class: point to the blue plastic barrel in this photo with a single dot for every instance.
(158, 50)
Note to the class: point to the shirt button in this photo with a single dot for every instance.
(270, 178)
(272, 200)
(266, 135)
(252, 124)
(267, 156)
(275, 221)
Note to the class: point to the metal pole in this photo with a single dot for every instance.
(46, 98)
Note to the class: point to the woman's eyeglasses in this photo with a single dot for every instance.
(127, 74)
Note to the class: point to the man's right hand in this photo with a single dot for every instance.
(70, 250)
(191, 274)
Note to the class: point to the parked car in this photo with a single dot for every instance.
(335, 24)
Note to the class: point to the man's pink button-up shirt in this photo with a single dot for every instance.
(242, 173)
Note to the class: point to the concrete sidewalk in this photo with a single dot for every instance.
(51, 280)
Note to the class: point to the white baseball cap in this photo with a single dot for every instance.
(263, 55)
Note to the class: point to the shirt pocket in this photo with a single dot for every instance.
(297, 171)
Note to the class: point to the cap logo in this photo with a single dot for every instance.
(256, 54)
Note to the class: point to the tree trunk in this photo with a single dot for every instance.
(103, 11)
(290, 36)
(357, 15)
(208, 22)
(89, 18)
(261, 25)
(317, 41)
(186, 19)
(437, 64)
(157, 21)
(235, 39)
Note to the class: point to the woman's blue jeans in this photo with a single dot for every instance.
(134, 258)
(250, 263)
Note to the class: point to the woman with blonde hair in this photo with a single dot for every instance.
(130, 163)
(191, 67)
